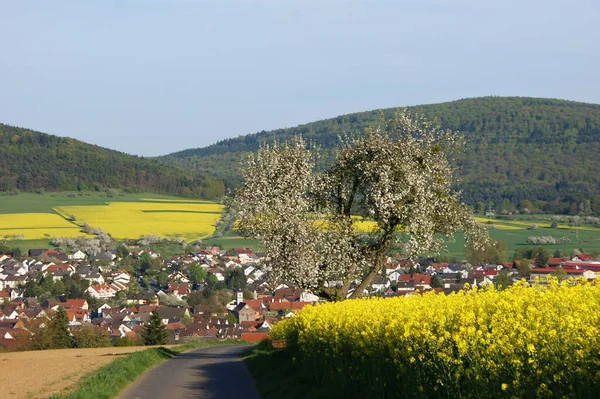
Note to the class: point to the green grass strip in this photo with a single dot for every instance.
(277, 376)
(109, 380)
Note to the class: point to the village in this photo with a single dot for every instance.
(209, 294)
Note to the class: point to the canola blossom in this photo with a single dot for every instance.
(32, 226)
(540, 341)
(189, 221)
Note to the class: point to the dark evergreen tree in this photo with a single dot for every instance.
(155, 333)
(436, 281)
(541, 256)
(58, 330)
(235, 279)
(557, 253)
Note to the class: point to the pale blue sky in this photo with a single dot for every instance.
(150, 77)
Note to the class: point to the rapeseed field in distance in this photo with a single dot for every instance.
(121, 220)
(39, 217)
(36, 225)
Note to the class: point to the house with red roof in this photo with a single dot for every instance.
(419, 281)
(178, 289)
(101, 291)
(76, 303)
(543, 272)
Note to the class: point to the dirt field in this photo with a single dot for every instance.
(39, 374)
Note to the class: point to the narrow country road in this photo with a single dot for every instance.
(215, 372)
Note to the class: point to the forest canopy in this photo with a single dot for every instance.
(33, 161)
(542, 151)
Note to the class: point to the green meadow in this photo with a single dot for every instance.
(515, 232)
(43, 203)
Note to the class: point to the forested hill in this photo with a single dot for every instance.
(32, 160)
(517, 149)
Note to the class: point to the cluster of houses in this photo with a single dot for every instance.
(400, 280)
(248, 319)
(243, 318)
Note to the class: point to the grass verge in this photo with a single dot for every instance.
(109, 380)
(277, 376)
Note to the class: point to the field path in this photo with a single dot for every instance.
(215, 372)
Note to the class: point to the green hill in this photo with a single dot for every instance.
(31, 161)
(517, 149)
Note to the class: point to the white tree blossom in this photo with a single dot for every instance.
(396, 174)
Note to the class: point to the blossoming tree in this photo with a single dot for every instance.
(397, 174)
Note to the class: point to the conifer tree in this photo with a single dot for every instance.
(58, 330)
(155, 333)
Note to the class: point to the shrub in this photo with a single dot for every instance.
(542, 240)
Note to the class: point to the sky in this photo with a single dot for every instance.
(150, 77)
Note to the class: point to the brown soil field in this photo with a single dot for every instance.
(39, 374)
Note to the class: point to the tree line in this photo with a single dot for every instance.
(34, 161)
(516, 149)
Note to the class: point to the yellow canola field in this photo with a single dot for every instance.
(133, 219)
(175, 200)
(36, 226)
(359, 224)
(523, 342)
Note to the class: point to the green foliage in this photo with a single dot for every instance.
(133, 287)
(560, 273)
(524, 268)
(58, 329)
(162, 278)
(436, 281)
(197, 273)
(91, 337)
(557, 254)
(503, 279)
(155, 333)
(541, 256)
(144, 262)
(33, 161)
(122, 251)
(235, 279)
(492, 252)
(124, 341)
(534, 149)
(276, 375)
(4, 249)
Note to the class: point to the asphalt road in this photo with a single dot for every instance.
(215, 372)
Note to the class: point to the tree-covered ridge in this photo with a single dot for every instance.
(31, 160)
(517, 148)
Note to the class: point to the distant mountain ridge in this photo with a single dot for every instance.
(518, 148)
(31, 160)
